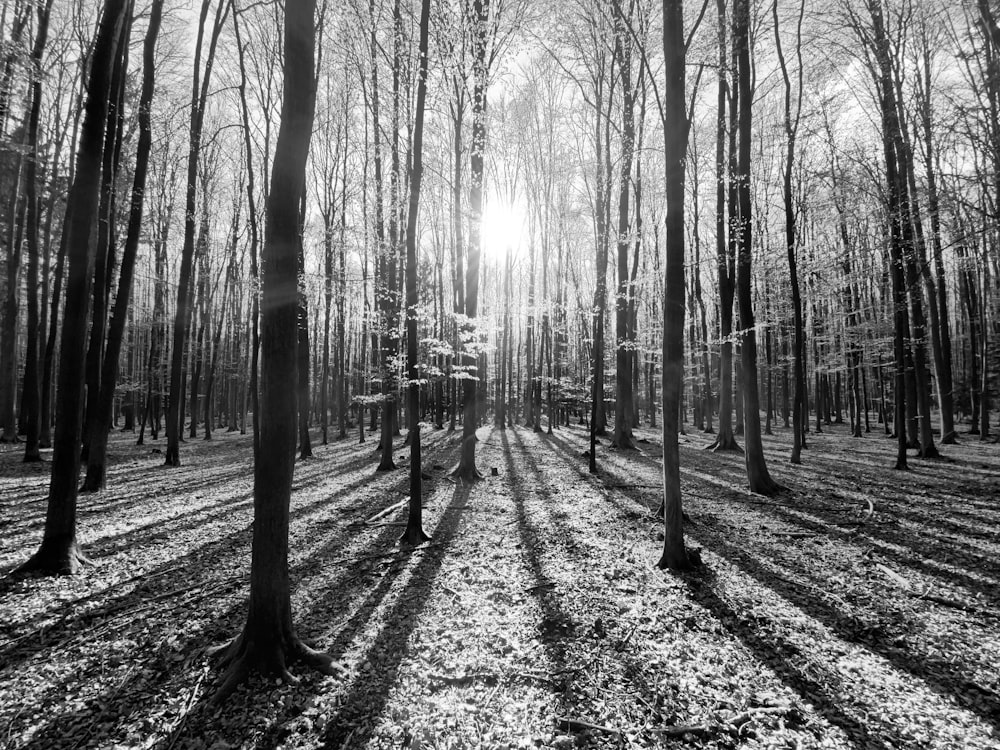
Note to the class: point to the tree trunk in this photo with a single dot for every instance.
(890, 128)
(675, 136)
(32, 414)
(97, 455)
(59, 552)
(268, 643)
(199, 97)
(725, 438)
(414, 532)
(757, 473)
(624, 395)
(466, 468)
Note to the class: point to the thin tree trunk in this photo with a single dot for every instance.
(31, 415)
(414, 532)
(199, 98)
(97, 455)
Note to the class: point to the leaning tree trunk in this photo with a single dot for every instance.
(59, 552)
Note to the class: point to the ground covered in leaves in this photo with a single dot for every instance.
(858, 609)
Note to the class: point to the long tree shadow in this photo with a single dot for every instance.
(556, 623)
(770, 648)
(175, 574)
(148, 682)
(890, 542)
(944, 677)
(369, 694)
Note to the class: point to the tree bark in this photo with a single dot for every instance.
(675, 136)
(268, 643)
(32, 414)
(414, 532)
(757, 473)
(466, 468)
(97, 455)
(725, 438)
(59, 552)
(199, 97)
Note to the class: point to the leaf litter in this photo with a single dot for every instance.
(858, 609)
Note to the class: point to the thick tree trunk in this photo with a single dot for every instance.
(675, 136)
(268, 643)
(890, 129)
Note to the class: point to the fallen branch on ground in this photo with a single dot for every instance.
(567, 724)
(387, 511)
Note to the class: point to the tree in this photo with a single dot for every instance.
(414, 532)
(624, 396)
(97, 455)
(882, 73)
(268, 643)
(481, 38)
(675, 136)
(725, 439)
(757, 473)
(199, 99)
(791, 125)
(32, 404)
(59, 552)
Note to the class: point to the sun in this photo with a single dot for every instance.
(504, 228)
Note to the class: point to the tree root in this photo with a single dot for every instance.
(244, 656)
(724, 444)
(468, 474)
(414, 536)
(53, 559)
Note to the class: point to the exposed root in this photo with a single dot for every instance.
(767, 487)
(723, 444)
(243, 657)
(930, 452)
(624, 443)
(468, 474)
(414, 536)
(677, 562)
(53, 559)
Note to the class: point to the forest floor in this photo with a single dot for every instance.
(858, 609)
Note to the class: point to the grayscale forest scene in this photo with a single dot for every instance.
(446, 374)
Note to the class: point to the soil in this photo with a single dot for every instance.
(858, 609)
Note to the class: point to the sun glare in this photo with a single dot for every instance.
(503, 229)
